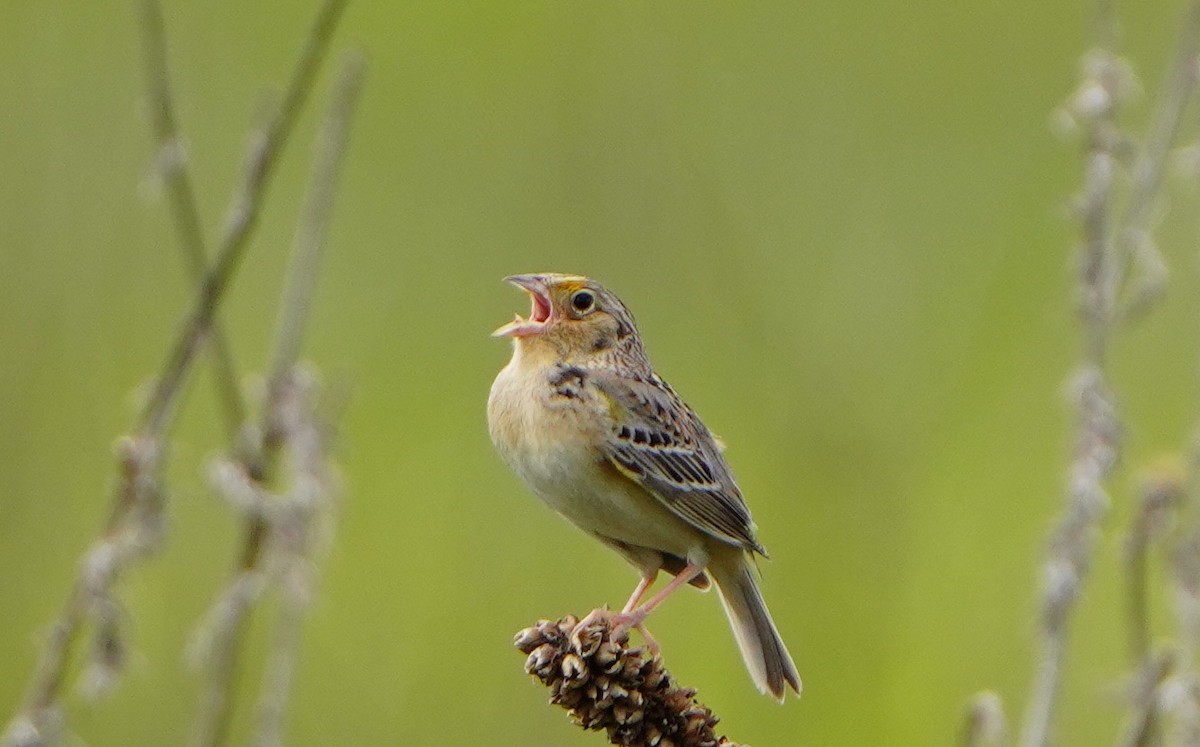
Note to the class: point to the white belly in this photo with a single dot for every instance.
(552, 444)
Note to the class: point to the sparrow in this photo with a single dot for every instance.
(583, 419)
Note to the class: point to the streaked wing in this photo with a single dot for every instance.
(660, 442)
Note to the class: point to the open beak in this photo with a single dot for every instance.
(541, 313)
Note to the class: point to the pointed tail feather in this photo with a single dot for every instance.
(766, 656)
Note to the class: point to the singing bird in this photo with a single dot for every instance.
(582, 418)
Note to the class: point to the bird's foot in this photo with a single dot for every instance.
(597, 615)
(622, 622)
(619, 624)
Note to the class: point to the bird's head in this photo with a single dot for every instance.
(572, 315)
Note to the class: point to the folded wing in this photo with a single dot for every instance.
(658, 441)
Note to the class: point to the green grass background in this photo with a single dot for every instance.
(842, 227)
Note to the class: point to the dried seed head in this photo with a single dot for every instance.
(529, 639)
(605, 654)
(540, 661)
(605, 684)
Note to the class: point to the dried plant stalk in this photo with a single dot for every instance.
(1143, 725)
(172, 170)
(1161, 494)
(1120, 273)
(244, 210)
(134, 527)
(290, 427)
(1181, 695)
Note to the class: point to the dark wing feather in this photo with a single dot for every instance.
(660, 442)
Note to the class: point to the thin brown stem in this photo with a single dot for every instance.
(1097, 449)
(1161, 494)
(260, 459)
(241, 219)
(1143, 727)
(1183, 710)
(173, 170)
(309, 242)
(134, 529)
(1136, 249)
(134, 525)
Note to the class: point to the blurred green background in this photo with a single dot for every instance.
(842, 227)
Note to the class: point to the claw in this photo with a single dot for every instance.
(619, 624)
(622, 622)
(596, 615)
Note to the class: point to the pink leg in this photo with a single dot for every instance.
(634, 618)
(603, 613)
(639, 592)
(686, 575)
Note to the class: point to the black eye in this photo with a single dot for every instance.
(583, 301)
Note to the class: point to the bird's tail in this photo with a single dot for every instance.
(766, 657)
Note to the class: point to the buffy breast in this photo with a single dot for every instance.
(549, 445)
(554, 448)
